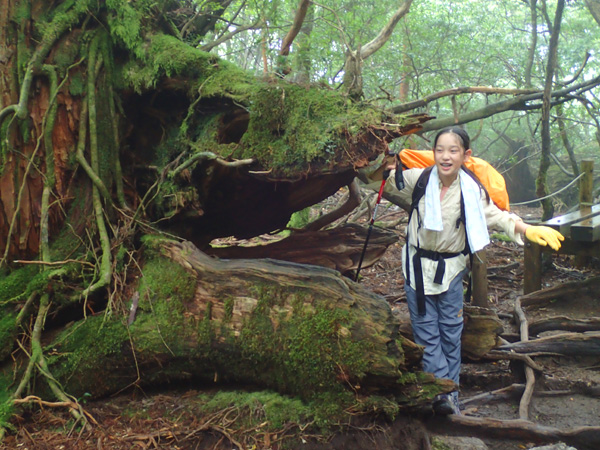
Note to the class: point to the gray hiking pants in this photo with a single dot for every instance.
(440, 329)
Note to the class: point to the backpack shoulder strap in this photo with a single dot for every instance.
(419, 190)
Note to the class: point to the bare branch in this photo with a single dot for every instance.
(384, 35)
(296, 26)
(253, 26)
(518, 103)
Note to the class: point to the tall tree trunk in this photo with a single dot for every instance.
(541, 189)
(355, 58)
(533, 45)
(302, 65)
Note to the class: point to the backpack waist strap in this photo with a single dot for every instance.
(440, 257)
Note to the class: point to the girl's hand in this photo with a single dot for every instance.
(543, 235)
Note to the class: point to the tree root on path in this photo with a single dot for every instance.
(582, 438)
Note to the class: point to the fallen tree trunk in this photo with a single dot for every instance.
(336, 248)
(297, 329)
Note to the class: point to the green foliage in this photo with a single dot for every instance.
(500, 237)
(163, 55)
(300, 219)
(125, 24)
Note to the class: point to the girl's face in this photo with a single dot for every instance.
(449, 155)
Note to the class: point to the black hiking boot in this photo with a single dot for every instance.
(445, 405)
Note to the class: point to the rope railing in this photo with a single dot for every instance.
(549, 195)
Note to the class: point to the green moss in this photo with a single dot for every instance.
(156, 60)
(164, 290)
(76, 84)
(66, 55)
(293, 126)
(14, 286)
(310, 347)
(229, 303)
(125, 24)
(438, 444)
(77, 348)
(165, 279)
(271, 409)
(376, 404)
(8, 331)
(6, 403)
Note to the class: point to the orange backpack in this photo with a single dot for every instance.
(489, 177)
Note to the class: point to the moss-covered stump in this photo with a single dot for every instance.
(298, 329)
(481, 332)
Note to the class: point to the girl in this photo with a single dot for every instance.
(450, 220)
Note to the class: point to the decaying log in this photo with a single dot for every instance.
(564, 323)
(582, 438)
(568, 344)
(337, 248)
(295, 328)
(565, 291)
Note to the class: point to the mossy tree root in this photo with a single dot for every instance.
(48, 126)
(118, 172)
(37, 360)
(94, 64)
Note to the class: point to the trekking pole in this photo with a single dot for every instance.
(386, 173)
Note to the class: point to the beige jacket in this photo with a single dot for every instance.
(451, 239)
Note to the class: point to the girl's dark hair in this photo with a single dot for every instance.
(462, 135)
(466, 143)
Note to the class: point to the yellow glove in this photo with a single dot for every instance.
(543, 235)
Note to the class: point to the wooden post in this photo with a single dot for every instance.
(586, 185)
(479, 278)
(532, 273)
(586, 199)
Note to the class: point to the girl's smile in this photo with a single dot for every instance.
(449, 156)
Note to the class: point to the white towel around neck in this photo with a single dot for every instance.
(477, 230)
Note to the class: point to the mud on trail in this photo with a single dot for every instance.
(566, 394)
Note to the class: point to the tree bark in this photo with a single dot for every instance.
(518, 103)
(337, 248)
(594, 8)
(298, 329)
(568, 344)
(541, 190)
(584, 438)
